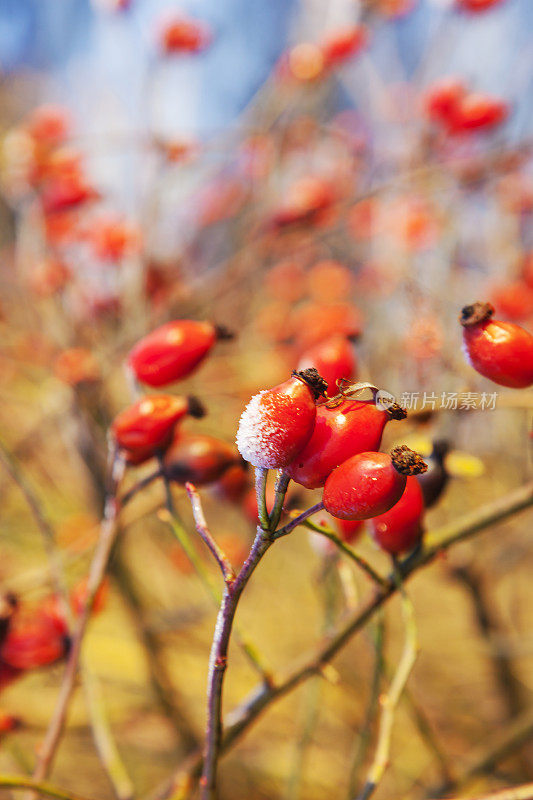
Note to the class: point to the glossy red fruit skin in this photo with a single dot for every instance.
(334, 358)
(198, 458)
(501, 351)
(172, 352)
(147, 426)
(400, 529)
(277, 423)
(352, 427)
(365, 485)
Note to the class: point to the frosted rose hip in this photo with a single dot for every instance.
(278, 422)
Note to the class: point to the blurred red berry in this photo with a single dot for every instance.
(147, 426)
(182, 35)
(344, 44)
(173, 351)
(77, 365)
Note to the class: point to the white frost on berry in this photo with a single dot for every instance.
(257, 435)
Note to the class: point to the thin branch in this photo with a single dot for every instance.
(506, 742)
(99, 563)
(170, 516)
(105, 744)
(139, 486)
(290, 526)
(262, 697)
(524, 792)
(218, 662)
(282, 484)
(347, 550)
(46, 529)
(201, 526)
(366, 733)
(389, 701)
(162, 685)
(46, 789)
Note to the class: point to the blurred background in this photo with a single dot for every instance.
(299, 171)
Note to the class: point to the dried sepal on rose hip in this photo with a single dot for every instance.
(400, 529)
(498, 350)
(369, 484)
(145, 428)
(343, 428)
(174, 350)
(278, 422)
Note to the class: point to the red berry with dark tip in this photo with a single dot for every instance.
(369, 484)
(498, 350)
(173, 351)
(146, 427)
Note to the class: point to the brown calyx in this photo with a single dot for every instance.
(406, 461)
(313, 379)
(395, 411)
(475, 313)
(195, 407)
(223, 334)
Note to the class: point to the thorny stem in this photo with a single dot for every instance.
(390, 701)
(263, 696)
(347, 550)
(201, 526)
(97, 570)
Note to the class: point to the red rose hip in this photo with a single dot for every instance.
(500, 351)
(147, 426)
(369, 484)
(173, 351)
